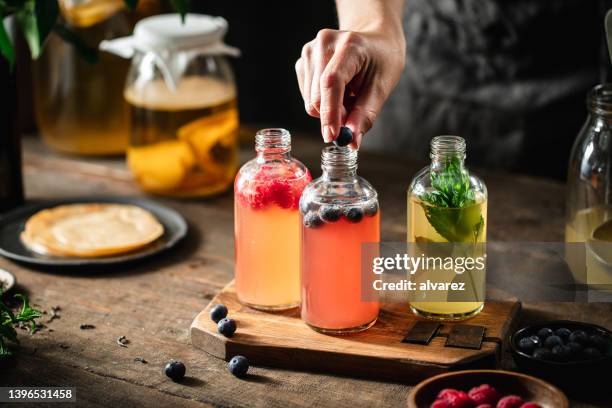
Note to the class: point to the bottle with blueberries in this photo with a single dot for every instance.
(339, 212)
(267, 191)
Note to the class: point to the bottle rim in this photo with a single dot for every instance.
(339, 156)
(447, 146)
(599, 100)
(273, 140)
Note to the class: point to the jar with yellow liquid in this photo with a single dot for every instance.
(447, 228)
(79, 104)
(589, 200)
(182, 104)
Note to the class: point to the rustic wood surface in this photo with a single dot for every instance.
(154, 303)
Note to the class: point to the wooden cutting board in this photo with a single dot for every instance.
(283, 340)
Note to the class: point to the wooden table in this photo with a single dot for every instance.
(154, 303)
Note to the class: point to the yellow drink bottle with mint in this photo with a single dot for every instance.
(447, 221)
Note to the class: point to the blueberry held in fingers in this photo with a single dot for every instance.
(345, 137)
(226, 327)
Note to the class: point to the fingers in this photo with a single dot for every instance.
(364, 112)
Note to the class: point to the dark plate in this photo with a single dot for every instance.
(12, 224)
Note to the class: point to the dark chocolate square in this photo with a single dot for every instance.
(466, 336)
(422, 332)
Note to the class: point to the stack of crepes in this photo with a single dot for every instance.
(90, 230)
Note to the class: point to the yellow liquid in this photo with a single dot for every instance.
(79, 105)
(183, 143)
(432, 304)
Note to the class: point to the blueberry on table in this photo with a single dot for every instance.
(226, 327)
(312, 220)
(345, 137)
(527, 345)
(175, 370)
(238, 366)
(552, 341)
(561, 353)
(371, 209)
(354, 214)
(563, 332)
(330, 213)
(544, 332)
(591, 353)
(218, 312)
(579, 336)
(542, 354)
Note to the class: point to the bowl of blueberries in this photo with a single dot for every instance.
(571, 354)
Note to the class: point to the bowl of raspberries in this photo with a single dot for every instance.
(573, 355)
(485, 389)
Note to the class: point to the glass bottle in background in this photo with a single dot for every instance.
(447, 205)
(339, 213)
(589, 199)
(267, 224)
(79, 105)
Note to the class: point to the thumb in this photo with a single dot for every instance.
(363, 113)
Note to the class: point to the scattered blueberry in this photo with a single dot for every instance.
(591, 353)
(579, 336)
(599, 342)
(330, 213)
(542, 353)
(353, 214)
(226, 327)
(563, 332)
(345, 137)
(218, 312)
(574, 347)
(371, 209)
(175, 370)
(552, 341)
(544, 332)
(527, 344)
(312, 220)
(238, 365)
(561, 353)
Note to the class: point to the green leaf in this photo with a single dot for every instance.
(181, 6)
(36, 19)
(88, 53)
(131, 4)
(8, 332)
(6, 46)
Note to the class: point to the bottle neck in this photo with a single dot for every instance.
(272, 144)
(599, 101)
(446, 150)
(339, 163)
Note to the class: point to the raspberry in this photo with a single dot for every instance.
(460, 400)
(484, 394)
(484, 406)
(531, 405)
(511, 401)
(280, 192)
(447, 392)
(440, 403)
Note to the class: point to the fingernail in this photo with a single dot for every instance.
(328, 135)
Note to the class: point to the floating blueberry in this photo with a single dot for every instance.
(552, 341)
(591, 353)
(226, 327)
(238, 365)
(579, 336)
(312, 220)
(574, 347)
(542, 353)
(563, 332)
(345, 137)
(353, 214)
(330, 213)
(218, 312)
(527, 345)
(561, 353)
(544, 332)
(175, 370)
(599, 342)
(371, 209)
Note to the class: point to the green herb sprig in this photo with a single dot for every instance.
(8, 321)
(449, 207)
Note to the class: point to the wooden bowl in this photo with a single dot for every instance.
(529, 388)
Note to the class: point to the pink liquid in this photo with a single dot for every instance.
(331, 275)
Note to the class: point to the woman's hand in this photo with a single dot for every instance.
(346, 76)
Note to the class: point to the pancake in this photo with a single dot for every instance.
(90, 230)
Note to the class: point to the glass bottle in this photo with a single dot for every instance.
(339, 213)
(447, 205)
(79, 105)
(589, 193)
(183, 105)
(267, 224)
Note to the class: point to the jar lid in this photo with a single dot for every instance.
(170, 31)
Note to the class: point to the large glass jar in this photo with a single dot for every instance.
(447, 214)
(589, 199)
(79, 105)
(182, 105)
(267, 224)
(339, 213)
